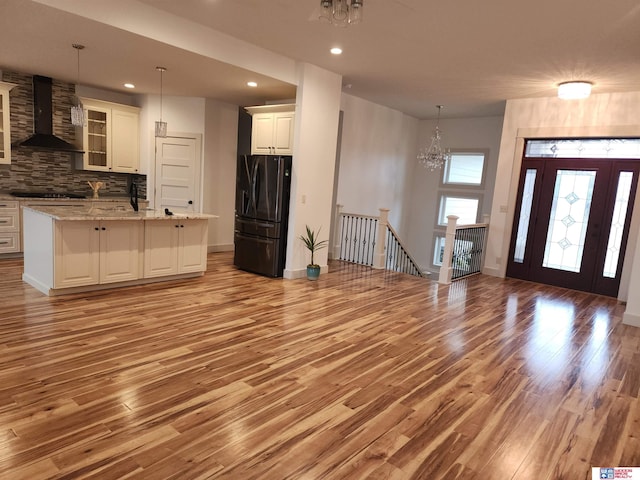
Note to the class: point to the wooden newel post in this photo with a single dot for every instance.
(337, 231)
(378, 251)
(449, 240)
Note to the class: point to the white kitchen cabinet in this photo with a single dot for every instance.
(110, 139)
(9, 226)
(90, 252)
(5, 127)
(174, 247)
(272, 129)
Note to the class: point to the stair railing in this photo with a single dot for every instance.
(464, 249)
(369, 240)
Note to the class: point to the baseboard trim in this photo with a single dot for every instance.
(301, 272)
(631, 319)
(225, 247)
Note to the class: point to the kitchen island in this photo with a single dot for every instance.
(74, 249)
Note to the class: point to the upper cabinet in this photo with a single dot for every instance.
(272, 129)
(110, 139)
(5, 128)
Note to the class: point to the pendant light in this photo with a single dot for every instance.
(161, 127)
(435, 156)
(77, 110)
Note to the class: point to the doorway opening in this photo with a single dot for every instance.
(573, 212)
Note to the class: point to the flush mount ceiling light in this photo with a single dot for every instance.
(574, 90)
(336, 51)
(252, 84)
(161, 127)
(341, 13)
(77, 110)
(435, 156)
(129, 85)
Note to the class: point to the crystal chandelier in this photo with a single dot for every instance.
(435, 156)
(77, 110)
(341, 13)
(161, 127)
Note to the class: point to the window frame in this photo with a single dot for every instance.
(455, 194)
(466, 186)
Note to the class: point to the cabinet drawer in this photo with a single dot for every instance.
(9, 220)
(9, 242)
(9, 206)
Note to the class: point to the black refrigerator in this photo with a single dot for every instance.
(263, 183)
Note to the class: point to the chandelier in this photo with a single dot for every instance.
(435, 156)
(341, 13)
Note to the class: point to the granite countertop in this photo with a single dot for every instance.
(105, 199)
(80, 213)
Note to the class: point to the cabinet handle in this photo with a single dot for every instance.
(4, 243)
(4, 221)
(190, 202)
(104, 228)
(96, 229)
(177, 226)
(181, 226)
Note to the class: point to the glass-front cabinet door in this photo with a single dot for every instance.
(5, 129)
(97, 151)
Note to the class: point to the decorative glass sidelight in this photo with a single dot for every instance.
(525, 215)
(569, 218)
(616, 232)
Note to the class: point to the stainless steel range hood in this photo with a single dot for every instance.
(43, 137)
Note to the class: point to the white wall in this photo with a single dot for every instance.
(314, 153)
(458, 133)
(182, 114)
(221, 135)
(376, 155)
(603, 115)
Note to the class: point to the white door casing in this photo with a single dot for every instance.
(178, 173)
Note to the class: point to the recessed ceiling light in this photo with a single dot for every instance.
(252, 84)
(574, 90)
(336, 50)
(129, 85)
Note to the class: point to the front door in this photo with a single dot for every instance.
(572, 222)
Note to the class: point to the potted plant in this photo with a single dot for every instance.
(312, 243)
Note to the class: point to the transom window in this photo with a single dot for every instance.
(584, 148)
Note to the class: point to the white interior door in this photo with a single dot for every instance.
(177, 173)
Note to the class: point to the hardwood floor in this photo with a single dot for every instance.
(363, 374)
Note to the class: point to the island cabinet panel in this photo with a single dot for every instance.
(175, 247)
(77, 254)
(160, 249)
(120, 251)
(192, 251)
(90, 252)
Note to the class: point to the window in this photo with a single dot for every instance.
(464, 169)
(465, 208)
(461, 192)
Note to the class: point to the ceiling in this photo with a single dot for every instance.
(409, 55)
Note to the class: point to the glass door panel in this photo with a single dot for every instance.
(616, 232)
(568, 220)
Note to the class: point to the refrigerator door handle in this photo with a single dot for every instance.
(254, 188)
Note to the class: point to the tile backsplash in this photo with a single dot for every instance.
(46, 171)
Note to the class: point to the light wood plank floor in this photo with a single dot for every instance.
(363, 374)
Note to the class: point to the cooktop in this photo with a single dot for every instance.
(46, 195)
